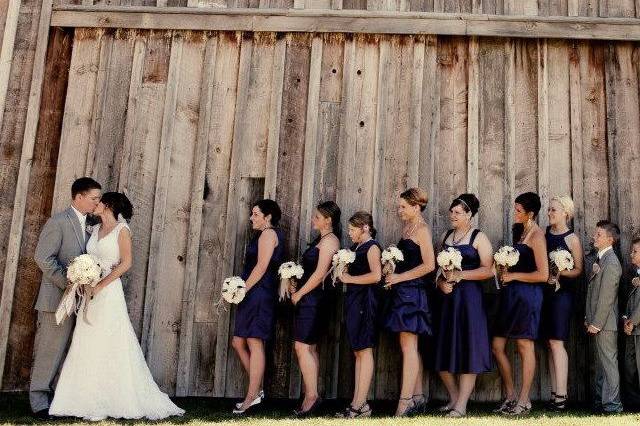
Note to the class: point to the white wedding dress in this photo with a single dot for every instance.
(105, 373)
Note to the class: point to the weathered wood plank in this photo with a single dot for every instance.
(9, 20)
(168, 247)
(138, 170)
(18, 185)
(214, 220)
(290, 158)
(295, 20)
(37, 209)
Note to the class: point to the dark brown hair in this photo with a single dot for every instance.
(415, 197)
(361, 219)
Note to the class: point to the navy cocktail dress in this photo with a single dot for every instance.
(255, 316)
(310, 311)
(520, 303)
(408, 310)
(463, 345)
(361, 303)
(557, 305)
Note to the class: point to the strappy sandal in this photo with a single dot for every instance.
(559, 403)
(506, 406)
(419, 403)
(455, 414)
(444, 409)
(519, 410)
(354, 413)
(410, 407)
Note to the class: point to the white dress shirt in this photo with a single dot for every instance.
(603, 251)
(83, 222)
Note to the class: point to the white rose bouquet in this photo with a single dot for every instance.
(505, 258)
(390, 257)
(290, 273)
(448, 260)
(560, 260)
(84, 273)
(233, 291)
(339, 263)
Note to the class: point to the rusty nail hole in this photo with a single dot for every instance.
(297, 80)
(362, 124)
(359, 72)
(180, 258)
(289, 120)
(334, 70)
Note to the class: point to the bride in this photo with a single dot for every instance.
(105, 373)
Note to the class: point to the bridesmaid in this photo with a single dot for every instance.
(361, 308)
(521, 302)
(255, 316)
(409, 313)
(308, 301)
(463, 347)
(557, 305)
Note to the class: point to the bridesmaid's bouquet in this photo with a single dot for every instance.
(233, 291)
(505, 258)
(449, 260)
(84, 273)
(560, 260)
(390, 257)
(289, 273)
(339, 263)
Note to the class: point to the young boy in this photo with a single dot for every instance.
(631, 320)
(601, 318)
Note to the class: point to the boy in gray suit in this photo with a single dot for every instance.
(601, 318)
(631, 320)
(63, 238)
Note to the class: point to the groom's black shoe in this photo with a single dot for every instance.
(43, 415)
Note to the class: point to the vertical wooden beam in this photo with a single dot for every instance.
(413, 165)
(275, 109)
(183, 376)
(510, 138)
(543, 129)
(6, 53)
(473, 117)
(22, 184)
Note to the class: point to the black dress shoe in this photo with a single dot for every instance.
(43, 415)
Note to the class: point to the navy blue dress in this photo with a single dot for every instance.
(557, 305)
(310, 314)
(361, 303)
(520, 303)
(255, 316)
(408, 309)
(463, 345)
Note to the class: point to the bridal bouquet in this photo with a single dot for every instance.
(289, 273)
(449, 259)
(560, 260)
(83, 271)
(390, 257)
(233, 291)
(339, 263)
(505, 258)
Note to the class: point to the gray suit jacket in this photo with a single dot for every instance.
(61, 240)
(602, 295)
(633, 309)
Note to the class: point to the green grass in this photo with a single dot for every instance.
(14, 409)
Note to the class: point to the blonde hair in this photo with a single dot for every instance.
(567, 205)
(415, 197)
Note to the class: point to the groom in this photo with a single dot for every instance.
(63, 238)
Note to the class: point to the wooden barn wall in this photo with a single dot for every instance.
(195, 126)
(594, 8)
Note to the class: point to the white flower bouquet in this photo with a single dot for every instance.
(505, 258)
(390, 257)
(83, 271)
(339, 263)
(233, 290)
(448, 260)
(560, 260)
(290, 273)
